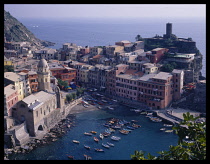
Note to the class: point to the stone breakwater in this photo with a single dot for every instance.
(61, 128)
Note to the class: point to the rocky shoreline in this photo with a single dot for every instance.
(52, 135)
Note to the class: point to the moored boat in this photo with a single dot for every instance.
(96, 139)
(87, 157)
(70, 156)
(101, 136)
(88, 134)
(169, 131)
(87, 147)
(110, 144)
(105, 145)
(93, 132)
(75, 141)
(162, 129)
(167, 125)
(124, 131)
(99, 150)
(115, 138)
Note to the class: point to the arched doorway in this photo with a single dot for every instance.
(40, 127)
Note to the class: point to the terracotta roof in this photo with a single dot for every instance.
(97, 56)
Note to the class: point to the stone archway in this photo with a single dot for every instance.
(40, 127)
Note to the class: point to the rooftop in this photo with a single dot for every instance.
(9, 89)
(11, 76)
(162, 75)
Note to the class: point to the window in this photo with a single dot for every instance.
(36, 113)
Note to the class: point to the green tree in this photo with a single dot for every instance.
(62, 83)
(191, 143)
(74, 95)
(138, 38)
(167, 68)
(8, 68)
(69, 97)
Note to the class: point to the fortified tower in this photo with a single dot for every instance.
(43, 76)
(168, 29)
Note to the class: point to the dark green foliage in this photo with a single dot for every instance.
(62, 83)
(8, 68)
(138, 38)
(167, 68)
(188, 130)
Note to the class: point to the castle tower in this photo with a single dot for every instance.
(168, 30)
(43, 76)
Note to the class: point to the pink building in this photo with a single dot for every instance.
(10, 99)
(156, 54)
(155, 90)
(85, 50)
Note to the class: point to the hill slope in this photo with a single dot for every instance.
(16, 31)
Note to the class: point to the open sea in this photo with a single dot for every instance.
(103, 32)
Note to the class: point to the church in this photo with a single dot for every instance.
(41, 110)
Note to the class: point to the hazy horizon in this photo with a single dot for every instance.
(107, 11)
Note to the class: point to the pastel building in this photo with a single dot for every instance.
(10, 99)
(154, 89)
(156, 54)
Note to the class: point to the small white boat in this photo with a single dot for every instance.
(110, 144)
(101, 136)
(115, 138)
(87, 147)
(88, 134)
(105, 145)
(162, 129)
(75, 141)
(169, 131)
(99, 150)
(167, 125)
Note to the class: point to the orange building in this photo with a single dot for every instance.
(33, 80)
(62, 72)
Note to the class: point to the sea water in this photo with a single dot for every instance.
(148, 138)
(104, 32)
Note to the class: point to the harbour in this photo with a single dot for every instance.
(148, 137)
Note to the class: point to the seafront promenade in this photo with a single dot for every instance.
(175, 115)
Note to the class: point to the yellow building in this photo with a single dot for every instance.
(83, 72)
(111, 50)
(150, 68)
(15, 79)
(7, 61)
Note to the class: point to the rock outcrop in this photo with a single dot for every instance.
(16, 31)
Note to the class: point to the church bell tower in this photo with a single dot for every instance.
(43, 76)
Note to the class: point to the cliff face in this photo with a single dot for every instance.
(16, 31)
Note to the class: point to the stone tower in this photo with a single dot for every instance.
(168, 30)
(43, 76)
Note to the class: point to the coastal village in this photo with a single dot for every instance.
(44, 85)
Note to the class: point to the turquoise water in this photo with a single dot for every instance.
(147, 138)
